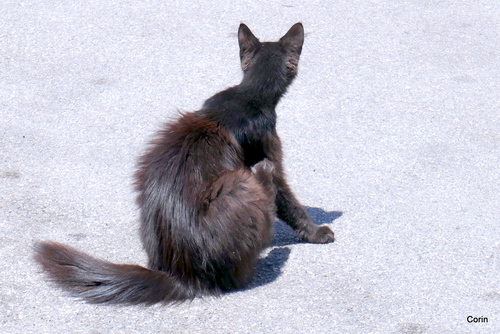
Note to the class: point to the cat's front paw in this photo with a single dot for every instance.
(323, 235)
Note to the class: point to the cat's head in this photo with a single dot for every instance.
(279, 58)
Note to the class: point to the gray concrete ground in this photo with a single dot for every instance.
(391, 134)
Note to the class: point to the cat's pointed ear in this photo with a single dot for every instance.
(248, 45)
(293, 39)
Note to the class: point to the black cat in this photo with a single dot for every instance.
(209, 188)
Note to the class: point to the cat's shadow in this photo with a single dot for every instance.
(270, 267)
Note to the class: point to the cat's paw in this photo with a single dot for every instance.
(264, 171)
(265, 166)
(323, 235)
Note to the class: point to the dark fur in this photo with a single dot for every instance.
(209, 188)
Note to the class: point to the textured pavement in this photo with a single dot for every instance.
(391, 135)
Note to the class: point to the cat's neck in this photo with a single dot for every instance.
(250, 97)
(266, 92)
(260, 97)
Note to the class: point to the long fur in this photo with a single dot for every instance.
(209, 188)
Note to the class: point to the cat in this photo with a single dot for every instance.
(209, 188)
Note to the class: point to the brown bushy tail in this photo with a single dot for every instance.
(99, 281)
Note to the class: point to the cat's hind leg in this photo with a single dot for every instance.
(264, 173)
(237, 223)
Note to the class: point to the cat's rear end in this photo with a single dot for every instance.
(205, 217)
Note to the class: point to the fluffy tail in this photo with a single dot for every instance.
(99, 281)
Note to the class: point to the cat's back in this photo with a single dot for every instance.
(190, 150)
